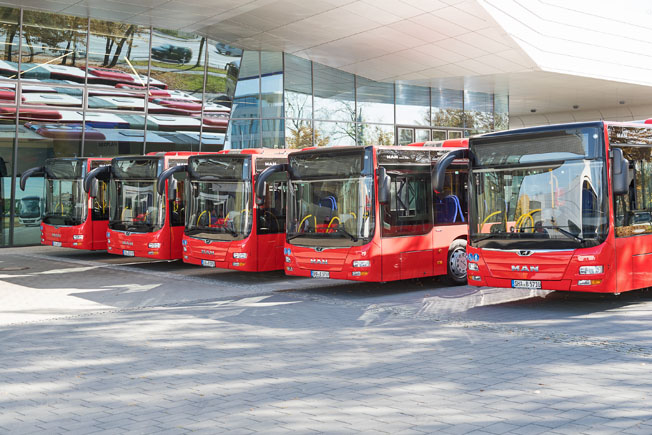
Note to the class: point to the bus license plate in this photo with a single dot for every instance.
(128, 253)
(208, 263)
(519, 283)
(319, 274)
(56, 244)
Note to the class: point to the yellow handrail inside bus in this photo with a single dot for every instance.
(353, 214)
(331, 222)
(304, 219)
(488, 217)
(122, 215)
(521, 220)
(209, 217)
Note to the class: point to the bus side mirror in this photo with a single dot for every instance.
(383, 185)
(95, 188)
(172, 189)
(620, 172)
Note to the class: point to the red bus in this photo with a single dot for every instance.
(562, 207)
(71, 218)
(369, 214)
(143, 223)
(224, 227)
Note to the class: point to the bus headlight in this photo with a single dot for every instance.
(154, 245)
(288, 259)
(591, 270)
(475, 278)
(240, 255)
(361, 263)
(473, 266)
(78, 237)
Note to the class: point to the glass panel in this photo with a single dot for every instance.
(374, 134)
(412, 105)
(178, 60)
(634, 210)
(454, 134)
(271, 214)
(66, 203)
(161, 141)
(7, 135)
(501, 112)
(119, 54)
(271, 84)
(273, 133)
(375, 101)
(298, 87)
(9, 35)
(54, 46)
(246, 100)
(422, 135)
(334, 94)
(223, 69)
(478, 109)
(447, 108)
(112, 134)
(135, 206)
(298, 134)
(334, 133)
(438, 134)
(409, 211)
(243, 133)
(405, 135)
(36, 143)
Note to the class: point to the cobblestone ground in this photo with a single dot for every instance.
(92, 344)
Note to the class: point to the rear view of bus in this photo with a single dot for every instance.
(142, 222)
(541, 213)
(369, 214)
(225, 228)
(71, 219)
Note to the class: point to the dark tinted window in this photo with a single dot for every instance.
(135, 169)
(409, 211)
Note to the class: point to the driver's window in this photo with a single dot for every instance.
(271, 215)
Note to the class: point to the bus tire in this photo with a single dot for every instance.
(456, 263)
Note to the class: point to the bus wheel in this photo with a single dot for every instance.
(456, 266)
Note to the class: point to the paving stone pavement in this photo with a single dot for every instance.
(165, 348)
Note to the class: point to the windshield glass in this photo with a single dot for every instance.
(135, 206)
(559, 205)
(220, 210)
(333, 212)
(65, 202)
(29, 208)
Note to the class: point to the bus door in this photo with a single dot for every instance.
(270, 223)
(633, 223)
(406, 239)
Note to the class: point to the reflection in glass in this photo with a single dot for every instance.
(438, 134)
(334, 94)
(405, 135)
(243, 133)
(271, 84)
(220, 210)
(246, 100)
(375, 134)
(54, 46)
(273, 133)
(501, 112)
(478, 110)
(334, 133)
(298, 87)
(375, 102)
(412, 105)
(298, 134)
(9, 36)
(447, 108)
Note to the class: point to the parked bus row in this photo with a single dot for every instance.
(359, 213)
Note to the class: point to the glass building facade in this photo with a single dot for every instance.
(73, 86)
(285, 101)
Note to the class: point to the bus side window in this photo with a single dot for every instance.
(101, 203)
(450, 206)
(634, 210)
(177, 207)
(409, 211)
(271, 215)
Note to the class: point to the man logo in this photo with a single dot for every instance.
(318, 261)
(525, 268)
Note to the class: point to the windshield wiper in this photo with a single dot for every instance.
(294, 236)
(552, 227)
(346, 233)
(489, 236)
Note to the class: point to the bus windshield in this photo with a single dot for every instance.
(66, 203)
(559, 204)
(135, 206)
(220, 210)
(333, 212)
